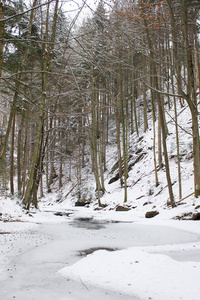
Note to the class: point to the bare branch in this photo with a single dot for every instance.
(23, 13)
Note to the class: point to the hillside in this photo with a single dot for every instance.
(143, 195)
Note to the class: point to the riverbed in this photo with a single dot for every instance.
(34, 255)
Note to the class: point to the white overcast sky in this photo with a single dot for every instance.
(71, 7)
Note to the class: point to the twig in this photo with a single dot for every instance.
(83, 283)
(143, 175)
(179, 125)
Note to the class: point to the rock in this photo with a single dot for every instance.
(84, 219)
(82, 202)
(61, 214)
(151, 214)
(101, 207)
(92, 250)
(136, 160)
(130, 165)
(122, 208)
(197, 207)
(189, 216)
(196, 216)
(139, 151)
(146, 203)
(98, 208)
(114, 179)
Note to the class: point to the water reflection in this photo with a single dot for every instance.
(88, 223)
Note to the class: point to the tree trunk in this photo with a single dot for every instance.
(2, 32)
(145, 108)
(191, 97)
(46, 64)
(172, 202)
(12, 157)
(10, 121)
(124, 135)
(94, 137)
(19, 157)
(25, 155)
(154, 143)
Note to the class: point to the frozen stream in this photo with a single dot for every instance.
(32, 255)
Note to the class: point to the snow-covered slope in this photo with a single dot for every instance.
(143, 195)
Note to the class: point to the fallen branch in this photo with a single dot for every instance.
(185, 197)
(134, 182)
(63, 198)
(143, 175)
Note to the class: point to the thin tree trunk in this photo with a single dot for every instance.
(2, 32)
(160, 162)
(172, 202)
(12, 158)
(177, 137)
(145, 108)
(154, 143)
(10, 121)
(94, 138)
(135, 110)
(19, 157)
(25, 156)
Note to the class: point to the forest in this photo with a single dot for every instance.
(70, 87)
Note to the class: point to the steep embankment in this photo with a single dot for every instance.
(143, 194)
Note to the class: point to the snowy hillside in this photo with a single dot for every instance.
(143, 195)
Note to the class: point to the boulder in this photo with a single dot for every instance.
(122, 208)
(82, 202)
(151, 214)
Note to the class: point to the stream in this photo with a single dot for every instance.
(31, 259)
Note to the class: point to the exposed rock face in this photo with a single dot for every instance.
(151, 214)
(132, 161)
(113, 179)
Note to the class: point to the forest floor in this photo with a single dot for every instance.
(79, 253)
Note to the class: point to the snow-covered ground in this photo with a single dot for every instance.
(43, 255)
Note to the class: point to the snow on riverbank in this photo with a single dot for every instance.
(159, 259)
(170, 271)
(141, 272)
